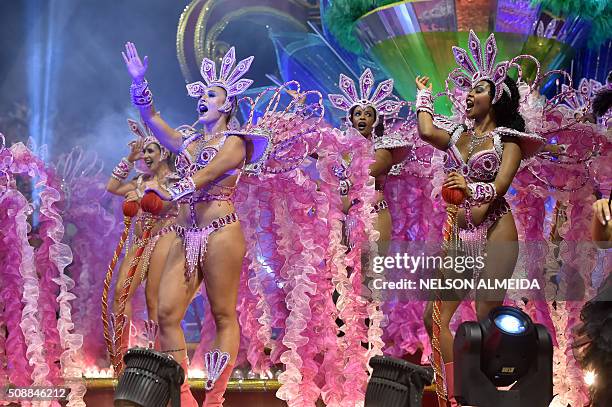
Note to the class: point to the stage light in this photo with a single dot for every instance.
(396, 383)
(510, 324)
(505, 349)
(150, 379)
(589, 378)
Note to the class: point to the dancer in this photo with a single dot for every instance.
(482, 156)
(207, 240)
(366, 114)
(157, 160)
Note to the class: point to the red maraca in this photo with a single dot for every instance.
(152, 203)
(130, 208)
(453, 196)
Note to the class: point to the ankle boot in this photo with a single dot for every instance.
(187, 399)
(450, 383)
(219, 371)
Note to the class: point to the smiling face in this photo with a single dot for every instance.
(363, 119)
(478, 101)
(209, 103)
(152, 156)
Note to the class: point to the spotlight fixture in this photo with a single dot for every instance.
(396, 383)
(150, 379)
(506, 349)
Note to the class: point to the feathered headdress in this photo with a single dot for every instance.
(480, 67)
(228, 79)
(378, 100)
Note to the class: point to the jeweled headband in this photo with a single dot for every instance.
(378, 100)
(480, 67)
(143, 132)
(229, 77)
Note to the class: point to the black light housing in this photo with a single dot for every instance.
(150, 379)
(396, 383)
(505, 348)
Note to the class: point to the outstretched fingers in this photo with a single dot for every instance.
(135, 52)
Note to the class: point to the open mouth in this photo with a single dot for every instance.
(361, 125)
(148, 162)
(202, 108)
(469, 104)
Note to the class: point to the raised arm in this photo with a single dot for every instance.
(427, 131)
(142, 98)
(117, 183)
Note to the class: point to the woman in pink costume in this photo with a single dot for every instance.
(159, 174)
(208, 244)
(366, 114)
(482, 157)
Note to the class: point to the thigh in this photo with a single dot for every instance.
(502, 254)
(222, 267)
(124, 269)
(157, 263)
(158, 260)
(175, 291)
(383, 226)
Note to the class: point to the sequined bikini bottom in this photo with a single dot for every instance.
(474, 238)
(195, 240)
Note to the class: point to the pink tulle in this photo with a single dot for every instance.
(14, 210)
(33, 330)
(92, 230)
(571, 178)
(352, 308)
(45, 287)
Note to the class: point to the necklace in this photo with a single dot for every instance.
(475, 140)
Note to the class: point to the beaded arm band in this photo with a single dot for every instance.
(482, 192)
(424, 101)
(122, 170)
(140, 94)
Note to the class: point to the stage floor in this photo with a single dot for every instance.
(240, 393)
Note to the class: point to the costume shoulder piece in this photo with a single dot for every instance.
(391, 140)
(445, 123)
(280, 139)
(530, 143)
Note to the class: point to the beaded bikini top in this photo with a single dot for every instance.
(482, 166)
(189, 162)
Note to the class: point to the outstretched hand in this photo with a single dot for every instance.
(422, 82)
(136, 67)
(136, 148)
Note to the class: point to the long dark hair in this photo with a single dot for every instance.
(506, 109)
(603, 99)
(379, 130)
